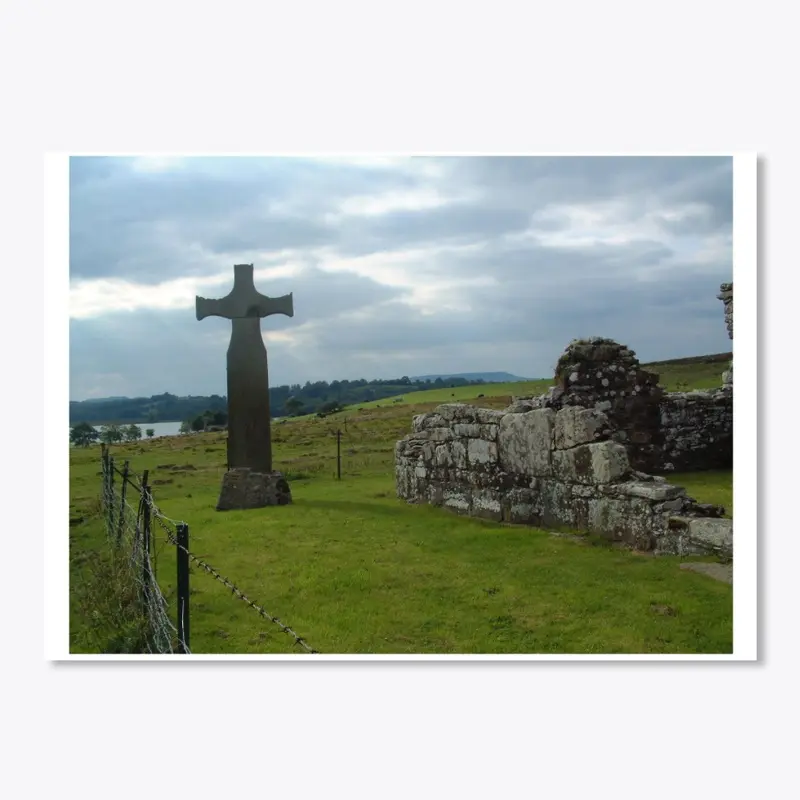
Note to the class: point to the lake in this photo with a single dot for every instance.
(160, 428)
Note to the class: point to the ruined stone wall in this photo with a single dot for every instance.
(580, 455)
(550, 468)
(662, 431)
(697, 431)
(605, 375)
(726, 295)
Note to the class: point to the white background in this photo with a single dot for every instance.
(408, 77)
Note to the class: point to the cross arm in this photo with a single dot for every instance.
(236, 306)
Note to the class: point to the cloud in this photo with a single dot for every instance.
(397, 265)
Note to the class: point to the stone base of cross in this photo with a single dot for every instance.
(243, 488)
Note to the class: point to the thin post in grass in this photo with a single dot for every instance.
(110, 522)
(125, 467)
(104, 473)
(183, 586)
(145, 532)
(338, 454)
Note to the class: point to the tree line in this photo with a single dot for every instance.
(82, 434)
(285, 401)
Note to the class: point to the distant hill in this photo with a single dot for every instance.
(487, 377)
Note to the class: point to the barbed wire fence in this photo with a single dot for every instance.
(133, 529)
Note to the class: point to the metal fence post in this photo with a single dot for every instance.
(182, 558)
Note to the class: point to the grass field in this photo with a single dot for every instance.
(352, 569)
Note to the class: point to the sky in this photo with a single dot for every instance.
(397, 265)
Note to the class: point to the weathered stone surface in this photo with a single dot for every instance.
(426, 421)
(624, 520)
(521, 506)
(651, 490)
(726, 295)
(714, 535)
(691, 535)
(486, 504)
(475, 430)
(457, 499)
(244, 488)
(697, 429)
(451, 454)
(575, 425)
(525, 442)
(489, 416)
(457, 412)
(480, 451)
(600, 462)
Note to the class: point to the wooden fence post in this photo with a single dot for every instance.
(145, 532)
(122, 502)
(182, 558)
(104, 473)
(110, 495)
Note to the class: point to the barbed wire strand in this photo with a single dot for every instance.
(124, 526)
(162, 519)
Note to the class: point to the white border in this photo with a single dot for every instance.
(745, 441)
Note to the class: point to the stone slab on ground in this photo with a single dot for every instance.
(243, 488)
(719, 572)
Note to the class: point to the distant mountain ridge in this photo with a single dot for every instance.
(488, 377)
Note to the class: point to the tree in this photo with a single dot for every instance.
(82, 434)
(111, 433)
(151, 432)
(186, 426)
(132, 433)
(293, 405)
(218, 418)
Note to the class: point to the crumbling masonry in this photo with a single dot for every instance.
(581, 455)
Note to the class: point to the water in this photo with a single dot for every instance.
(160, 428)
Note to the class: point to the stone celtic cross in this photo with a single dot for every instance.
(249, 441)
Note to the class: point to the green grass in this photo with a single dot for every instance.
(352, 569)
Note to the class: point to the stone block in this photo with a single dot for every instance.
(435, 493)
(600, 462)
(651, 491)
(575, 426)
(623, 520)
(243, 488)
(521, 506)
(430, 420)
(456, 412)
(486, 504)
(481, 452)
(451, 455)
(474, 430)
(467, 429)
(489, 416)
(457, 499)
(609, 461)
(525, 442)
(712, 535)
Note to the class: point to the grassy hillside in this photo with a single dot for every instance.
(353, 569)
